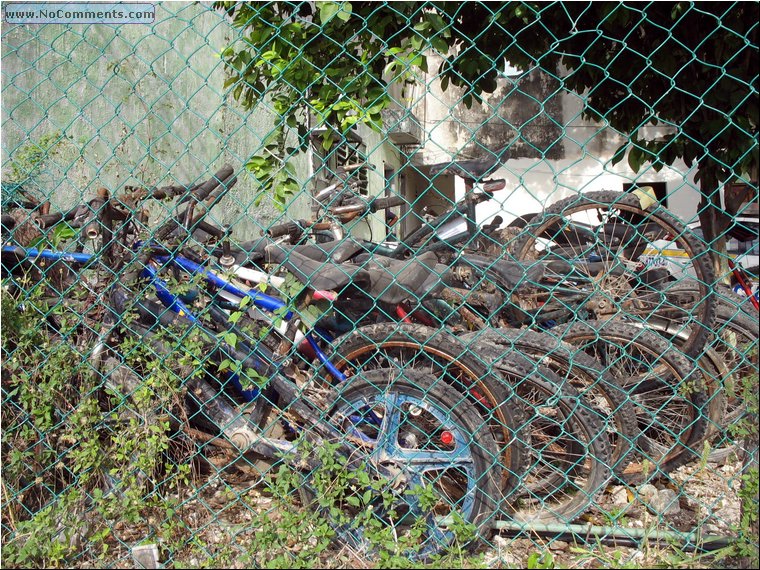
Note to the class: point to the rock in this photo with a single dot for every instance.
(647, 492)
(503, 554)
(667, 502)
(145, 556)
(659, 501)
(619, 496)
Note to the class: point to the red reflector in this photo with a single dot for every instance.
(447, 438)
(325, 295)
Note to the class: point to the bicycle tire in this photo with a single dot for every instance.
(424, 430)
(570, 452)
(668, 396)
(715, 375)
(602, 391)
(643, 300)
(733, 356)
(737, 343)
(394, 345)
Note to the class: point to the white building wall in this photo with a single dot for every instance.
(534, 183)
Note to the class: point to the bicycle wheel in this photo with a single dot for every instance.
(736, 342)
(569, 450)
(603, 393)
(670, 398)
(731, 357)
(393, 345)
(614, 244)
(428, 436)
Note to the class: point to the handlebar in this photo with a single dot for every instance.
(92, 219)
(350, 211)
(200, 191)
(208, 194)
(220, 178)
(293, 229)
(296, 228)
(385, 203)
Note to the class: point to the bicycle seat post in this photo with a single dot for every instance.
(226, 260)
(470, 206)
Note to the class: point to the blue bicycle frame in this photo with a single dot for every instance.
(175, 304)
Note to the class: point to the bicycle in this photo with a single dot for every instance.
(671, 397)
(729, 359)
(673, 373)
(434, 380)
(567, 269)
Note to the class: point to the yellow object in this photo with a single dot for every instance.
(665, 252)
(646, 196)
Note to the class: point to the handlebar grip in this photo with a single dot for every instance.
(294, 228)
(385, 203)
(49, 220)
(210, 185)
(165, 192)
(9, 222)
(211, 229)
(96, 215)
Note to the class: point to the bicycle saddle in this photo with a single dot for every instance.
(395, 280)
(473, 170)
(317, 274)
(512, 274)
(336, 251)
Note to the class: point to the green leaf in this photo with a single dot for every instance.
(62, 232)
(440, 44)
(436, 20)
(327, 140)
(230, 81)
(328, 10)
(230, 338)
(619, 154)
(345, 11)
(635, 158)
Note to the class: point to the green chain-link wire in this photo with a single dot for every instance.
(593, 414)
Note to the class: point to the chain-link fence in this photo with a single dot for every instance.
(379, 284)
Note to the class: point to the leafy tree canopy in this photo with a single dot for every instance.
(689, 66)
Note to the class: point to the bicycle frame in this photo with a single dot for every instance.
(454, 226)
(174, 303)
(268, 447)
(260, 300)
(740, 274)
(319, 411)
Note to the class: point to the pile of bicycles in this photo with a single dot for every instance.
(496, 379)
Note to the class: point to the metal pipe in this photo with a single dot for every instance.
(606, 533)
